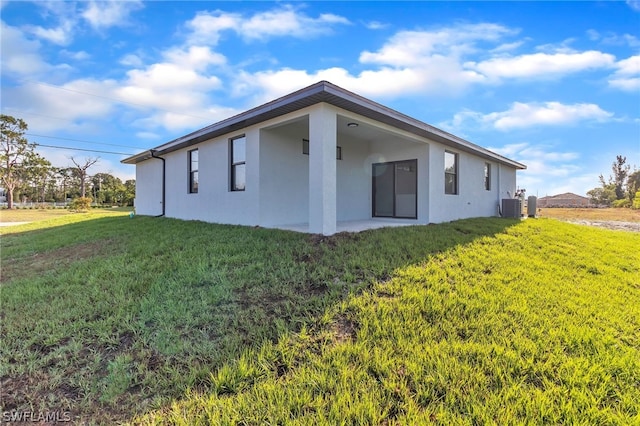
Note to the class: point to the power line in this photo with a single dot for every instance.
(78, 140)
(81, 149)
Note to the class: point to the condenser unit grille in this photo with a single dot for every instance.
(511, 207)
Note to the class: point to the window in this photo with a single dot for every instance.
(450, 173)
(395, 189)
(487, 176)
(305, 149)
(193, 171)
(237, 156)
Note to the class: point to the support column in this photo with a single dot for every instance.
(322, 170)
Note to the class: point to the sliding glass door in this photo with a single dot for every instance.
(395, 189)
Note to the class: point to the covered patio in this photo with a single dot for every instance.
(354, 225)
(317, 174)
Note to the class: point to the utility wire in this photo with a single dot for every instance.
(81, 149)
(78, 140)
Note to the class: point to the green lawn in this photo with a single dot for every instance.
(472, 322)
(40, 214)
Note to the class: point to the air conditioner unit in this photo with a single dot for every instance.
(512, 207)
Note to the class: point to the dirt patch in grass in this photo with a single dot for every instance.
(333, 240)
(608, 214)
(610, 224)
(609, 218)
(318, 243)
(344, 329)
(52, 260)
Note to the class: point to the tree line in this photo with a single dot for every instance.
(621, 189)
(27, 176)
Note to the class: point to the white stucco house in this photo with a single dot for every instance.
(321, 160)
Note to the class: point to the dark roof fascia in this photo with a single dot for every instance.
(323, 92)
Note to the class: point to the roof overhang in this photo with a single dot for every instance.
(322, 91)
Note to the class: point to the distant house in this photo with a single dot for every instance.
(321, 160)
(568, 199)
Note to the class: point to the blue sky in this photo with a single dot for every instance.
(553, 85)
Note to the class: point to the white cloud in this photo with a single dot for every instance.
(542, 65)
(80, 55)
(68, 102)
(20, 56)
(195, 57)
(195, 117)
(628, 84)
(549, 171)
(131, 60)
(176, 90)
(147, 135)
(66, 15)
(410, 48)
(410, 62)
(505, 47)
(287, 22)
(375, 25)
(627, 75)
(611, 38)
(206, 27)
(434, 62)
(62, 35)
(522, 115)
(634, 4)
(379, 83)
(102, 14)
(180, 82)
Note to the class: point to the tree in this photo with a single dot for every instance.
(80, 171)
(619, 179)
(15, 154)
(620, 186)
(602, 196)
(63, 176)
(35, 177)
(633, 184)
(107, 188)
(130, 192)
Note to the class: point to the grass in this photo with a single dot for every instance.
(37, 214)
(108, 316)
(622, 215)
(536, 325)
(472, 322)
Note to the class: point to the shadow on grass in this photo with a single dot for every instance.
(126, 313)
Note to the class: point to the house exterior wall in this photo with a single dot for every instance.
(213, 202)
(353, 180)
(472, 199)
(148, 201)
(282, 185)
(284, 178)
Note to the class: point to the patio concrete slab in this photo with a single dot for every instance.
(355, 225)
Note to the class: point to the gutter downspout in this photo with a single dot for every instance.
(153, 154)
(499, 189)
